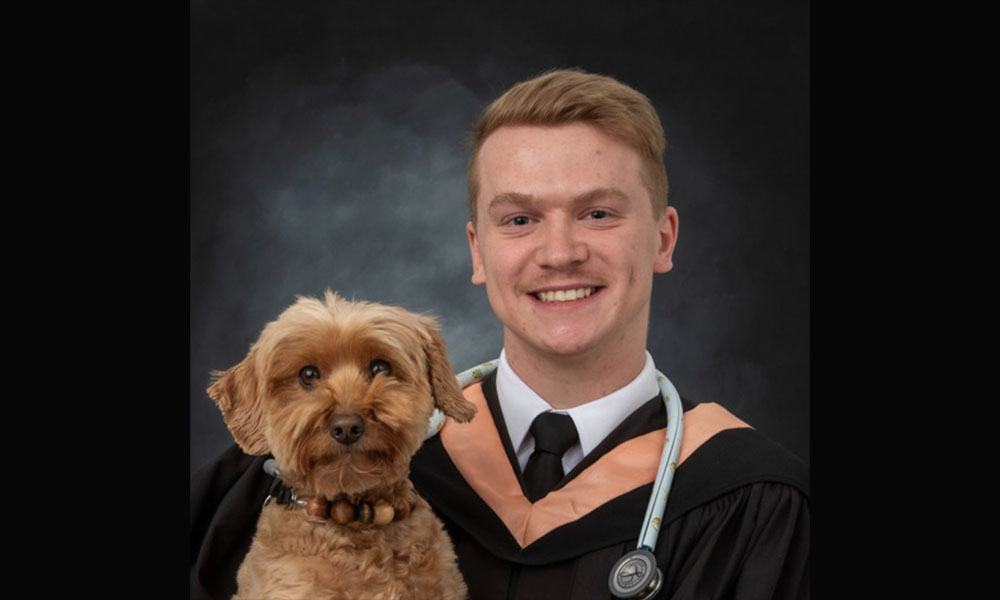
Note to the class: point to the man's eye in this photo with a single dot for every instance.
(519, 221)
(598, 214)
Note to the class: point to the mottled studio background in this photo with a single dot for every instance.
(327, 150)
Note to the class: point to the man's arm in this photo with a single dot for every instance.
(226, 498)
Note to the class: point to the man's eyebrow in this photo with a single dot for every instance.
(524, 200)
(510, 198)
(599, 193)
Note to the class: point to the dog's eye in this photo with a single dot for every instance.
(379, 366)
(308, 376)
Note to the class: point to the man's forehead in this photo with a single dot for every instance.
(513, 154)
(518, 135)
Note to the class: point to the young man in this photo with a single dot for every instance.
(569, 223)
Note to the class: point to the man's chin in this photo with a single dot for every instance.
(560, 346)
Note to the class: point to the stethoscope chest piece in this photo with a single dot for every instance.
(636, 576)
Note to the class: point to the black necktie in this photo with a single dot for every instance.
(554, 434)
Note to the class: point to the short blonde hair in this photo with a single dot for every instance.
(571, 95)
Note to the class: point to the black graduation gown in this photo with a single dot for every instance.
(736, 524)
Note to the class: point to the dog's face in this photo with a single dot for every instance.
(340, 392)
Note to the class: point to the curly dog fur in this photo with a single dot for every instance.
(341, 392)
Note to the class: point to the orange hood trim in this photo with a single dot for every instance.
(477, 451)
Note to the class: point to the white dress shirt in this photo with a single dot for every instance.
(593, 420)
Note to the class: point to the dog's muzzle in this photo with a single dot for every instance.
(347, 428)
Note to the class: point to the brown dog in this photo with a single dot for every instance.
(341, 394)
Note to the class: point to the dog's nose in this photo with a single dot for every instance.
(347, 428)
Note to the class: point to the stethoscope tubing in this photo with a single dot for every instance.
(668, 464)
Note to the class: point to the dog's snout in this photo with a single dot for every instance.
(347, 428)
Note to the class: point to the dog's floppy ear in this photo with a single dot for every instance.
(447, 395)
(237, 394)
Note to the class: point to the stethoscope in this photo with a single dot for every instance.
(635, 575)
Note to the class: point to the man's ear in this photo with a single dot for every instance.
(666, 239)
(237, 394)
(478, 272)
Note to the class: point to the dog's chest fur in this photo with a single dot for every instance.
(293, 557)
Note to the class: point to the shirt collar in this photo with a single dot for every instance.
(593, 420)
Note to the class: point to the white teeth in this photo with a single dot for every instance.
(565, 295)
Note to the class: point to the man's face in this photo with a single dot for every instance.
(565, 240)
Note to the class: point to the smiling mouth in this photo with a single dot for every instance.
(564, 295)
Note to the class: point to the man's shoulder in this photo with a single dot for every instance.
(730, 457)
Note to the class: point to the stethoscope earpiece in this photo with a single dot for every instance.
(636, 576)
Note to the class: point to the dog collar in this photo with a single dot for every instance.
(340, 510)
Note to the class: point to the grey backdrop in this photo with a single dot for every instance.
(327, 151)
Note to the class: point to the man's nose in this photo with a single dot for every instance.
(561, 246)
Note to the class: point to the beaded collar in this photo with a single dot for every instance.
(340, 510)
